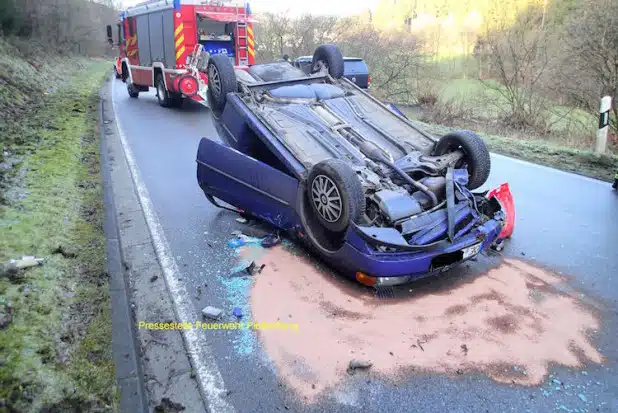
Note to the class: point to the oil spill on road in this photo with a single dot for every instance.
(511, 324)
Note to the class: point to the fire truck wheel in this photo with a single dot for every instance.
(328, 56)
(221, 80)
(133, 90)
(163, 95)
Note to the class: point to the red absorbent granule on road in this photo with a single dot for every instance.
(511, 324)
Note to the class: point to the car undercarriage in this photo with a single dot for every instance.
(359, 165)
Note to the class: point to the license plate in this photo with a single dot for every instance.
(471, 251)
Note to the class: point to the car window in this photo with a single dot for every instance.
(352, 67)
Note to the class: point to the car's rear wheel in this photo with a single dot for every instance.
(335, 194)
(221, 80)
(328, 56)
(476, 155)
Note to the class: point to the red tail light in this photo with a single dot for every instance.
(368, 80)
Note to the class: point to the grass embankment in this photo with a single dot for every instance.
(567, 144)
(546, 153)
(56, 352)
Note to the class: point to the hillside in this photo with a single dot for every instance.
(55, 330)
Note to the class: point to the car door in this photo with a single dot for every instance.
(247, 184)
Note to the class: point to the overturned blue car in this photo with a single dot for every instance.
(373, 195)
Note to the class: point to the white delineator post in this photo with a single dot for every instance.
(606, 104)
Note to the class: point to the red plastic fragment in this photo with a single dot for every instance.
(504, 196)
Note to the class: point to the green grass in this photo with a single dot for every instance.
(57, 350)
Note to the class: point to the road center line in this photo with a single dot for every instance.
(207, 372)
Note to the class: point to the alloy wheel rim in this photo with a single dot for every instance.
(326, 198)
(214, 80)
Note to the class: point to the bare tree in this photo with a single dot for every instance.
(393, 58)
(519, 58)
(272, 32)
(590, 66)
(67, 26)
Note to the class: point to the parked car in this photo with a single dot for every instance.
(367, 190)
(354, 68)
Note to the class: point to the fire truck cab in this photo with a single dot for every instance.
(165, 44)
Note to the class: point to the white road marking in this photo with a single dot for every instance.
(207, 372)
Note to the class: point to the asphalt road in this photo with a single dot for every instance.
(565, 222)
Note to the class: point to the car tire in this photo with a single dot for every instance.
(335, 194)
(133, 90)
(221, 80)
(476, 158)
(329, 55)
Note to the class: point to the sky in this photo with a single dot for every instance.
(296, 7)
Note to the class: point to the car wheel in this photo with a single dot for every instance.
(335, 194)
(476, 156)
(133, 90)
(328, 56)
(221, 80)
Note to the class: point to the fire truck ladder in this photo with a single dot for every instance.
(241, 23)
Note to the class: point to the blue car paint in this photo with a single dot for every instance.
(247, 183)
(273, 195)
(246, 127)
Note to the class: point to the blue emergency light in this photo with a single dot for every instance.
(176, 4)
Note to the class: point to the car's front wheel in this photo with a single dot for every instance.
(335, 194)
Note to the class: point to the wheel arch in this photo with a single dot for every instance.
(158, 67)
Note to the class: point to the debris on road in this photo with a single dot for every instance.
(420, 344)
(250, 270)
(241, 220)
(154, 278)
(212, 312)
(356, 364)
(168, 406)
(259, 230)
(242, 239)
(64, 251)
(460, 371)
(464, 348)
(236, 242)
(271, 241)
(237, 312)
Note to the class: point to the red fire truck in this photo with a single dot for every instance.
(165, 44)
